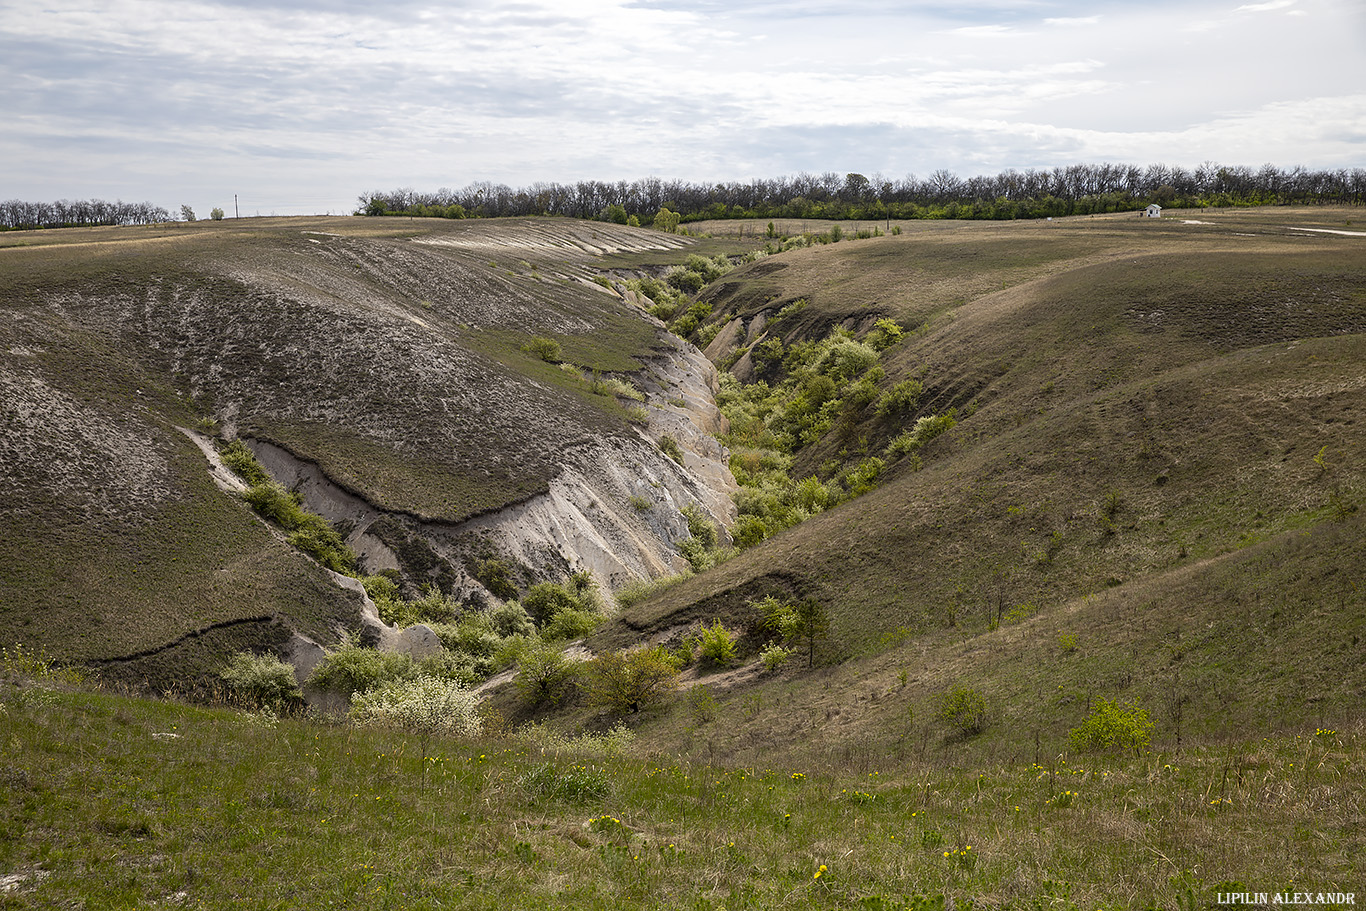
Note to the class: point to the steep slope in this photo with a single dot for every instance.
(381, 369)
(1133, 400)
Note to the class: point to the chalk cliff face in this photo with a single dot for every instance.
(613, 509)
(388, 371)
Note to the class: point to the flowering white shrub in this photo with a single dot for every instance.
(427, 705)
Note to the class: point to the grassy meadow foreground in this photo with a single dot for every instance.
(111, 802)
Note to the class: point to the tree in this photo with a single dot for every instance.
(631, 680)
(805, 623)
(187, 214)
(856, 188)
(216, 214)
(813, 625)
(666, 220)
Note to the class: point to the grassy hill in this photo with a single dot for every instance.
(388, 355)
(112, 802)
(1158, 451)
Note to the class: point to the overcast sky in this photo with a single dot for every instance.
(299, 106)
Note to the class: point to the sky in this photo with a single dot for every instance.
(301, 106)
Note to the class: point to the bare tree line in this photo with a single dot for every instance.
(67, 213)
(1075, 189)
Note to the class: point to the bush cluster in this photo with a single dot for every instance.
(924, 430)
(1111, 725)
(353, 669)
(547, 349)
(716, 645)
(424, 704)
(802, 624)
(964, 710)
(631, 680)
(565, 610)
(310, 533)
(262, 682)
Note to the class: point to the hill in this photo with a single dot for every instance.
(1157, 460)
(445, 393)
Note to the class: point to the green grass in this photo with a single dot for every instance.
(119, 803)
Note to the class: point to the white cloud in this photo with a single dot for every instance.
(1073, 21)
(323, 99)
(1269, 6)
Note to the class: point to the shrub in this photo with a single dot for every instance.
(964, 710)
(572, 624)
(863, 477)
(544, 675)
(262, 682)
(511, 619)
(886, 333)
(565, 610)
(811, 495)
(686, 324)
(843, 359)
(547, 349)
(805, 622)
(669, 446)
(494, 575)
(749, 530)
(426, 705)
(381, 587)
(432, 607)
(699, 525)
(717, 645)
(310, 533)
(903, 397)
(273, 502)
(686, 280)
(1112, 725)
(352, 669)
(631, 681)
(774, 656)
(472, 634)
(925, 429)
(315, 537)
(699, 557)
(457, 666)
(546, 599)
(237, 456)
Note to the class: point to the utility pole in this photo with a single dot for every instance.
(235, 213)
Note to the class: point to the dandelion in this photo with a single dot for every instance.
(819, 873)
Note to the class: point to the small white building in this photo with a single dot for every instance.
(1153, 211)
